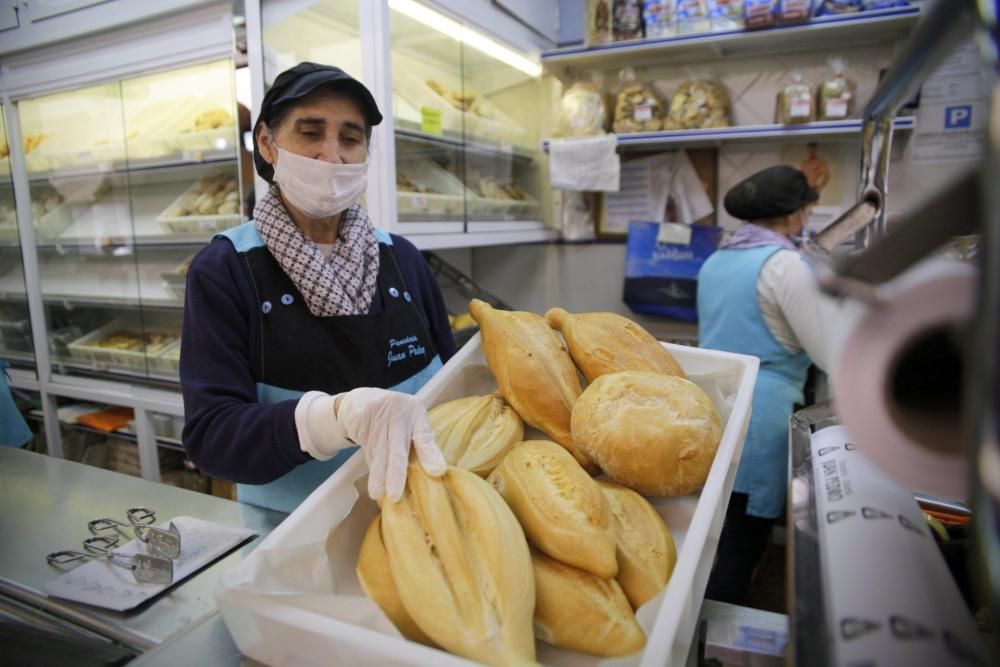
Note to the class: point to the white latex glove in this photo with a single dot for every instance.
(382, 422)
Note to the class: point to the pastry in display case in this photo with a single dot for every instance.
(211, 204)
(126, 343)
(423, 189)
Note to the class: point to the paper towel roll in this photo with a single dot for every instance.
(897, 376)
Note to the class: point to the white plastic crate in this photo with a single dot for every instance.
(197, 222)
(296, 599)
(47, 227)
(86, 348)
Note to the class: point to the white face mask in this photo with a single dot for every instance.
(317, 188)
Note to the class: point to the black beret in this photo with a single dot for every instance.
(769, 193)
(298, 82)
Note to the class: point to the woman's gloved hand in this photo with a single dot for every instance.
(382, 422)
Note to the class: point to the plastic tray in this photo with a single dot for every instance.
(498, 128)
(192, 224)
(175, 282)
(296, 598)
(426, 174)
(84, 348)
(47, 227)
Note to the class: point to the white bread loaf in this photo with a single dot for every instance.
(561, 508)
(603, 343)
(377, 582)
(461, 564)
(654, 433)
(476, 432)
(646, 551)
(576, 610)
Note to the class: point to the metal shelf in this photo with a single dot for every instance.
(480, 239)
(116, 373)
(186, 159)
(167, 443)
(840, 32)
(455, 142)
(744, 133)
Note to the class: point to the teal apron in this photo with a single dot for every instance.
(729, 319)
(14, 432)
(392, 349)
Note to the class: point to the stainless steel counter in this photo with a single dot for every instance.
(46, 504)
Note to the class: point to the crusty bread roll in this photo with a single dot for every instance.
(561, 508)
(476, 432)
(462, 567)
(654, 433)
(602, 343)
(533, 370)
(646, 551)
(576, 610)
(377, 582)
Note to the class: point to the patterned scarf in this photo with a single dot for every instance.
(342, 285)
(755, 236)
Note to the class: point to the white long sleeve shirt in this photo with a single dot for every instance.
(789, 298)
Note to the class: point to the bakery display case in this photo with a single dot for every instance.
(15, 325)
(465, 123)
(127, 179)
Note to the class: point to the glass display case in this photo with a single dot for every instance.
(465, 121)
(16, 345)
(129, 179)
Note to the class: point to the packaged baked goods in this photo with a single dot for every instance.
(698, 104)
(598, 26)
(659, 18)
(793, 11)
(638, 108)
(725, 15)
(627, 20)
(582, 111)
(796, 102)
(828, 7)
(836, 94)
(759, 13)
(692, 16)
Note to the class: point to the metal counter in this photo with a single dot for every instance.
(47, 503)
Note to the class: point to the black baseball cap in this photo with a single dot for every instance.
(774, 191)
(300, 81)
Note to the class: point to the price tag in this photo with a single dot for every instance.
(642, 112)
(800, 109)
(836, 109)
(419, 203)
(207, 225)
(674, 233)
(430, 120)
(192, 156)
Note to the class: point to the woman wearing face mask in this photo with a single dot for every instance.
(307, 329)
(757, 296)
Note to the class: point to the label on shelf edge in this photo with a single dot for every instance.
(430, 120)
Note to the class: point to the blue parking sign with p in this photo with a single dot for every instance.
(958, 117)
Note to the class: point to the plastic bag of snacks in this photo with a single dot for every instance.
(582, 111)
(698, 103)
(793, 11)
(692, 16)
(796, 102)
(725, 15)
(638, 108)
(598, 22)
(828, 7)
(759, 13)
(627, 23)
(659, 17)
(836, 94)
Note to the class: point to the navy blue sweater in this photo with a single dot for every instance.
(228, 433)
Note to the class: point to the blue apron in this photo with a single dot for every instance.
(14, 432)
(729, 319)
(299, 352)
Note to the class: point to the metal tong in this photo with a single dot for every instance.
(163, 543)
(145, 569)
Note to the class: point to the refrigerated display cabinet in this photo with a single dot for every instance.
(133, 176)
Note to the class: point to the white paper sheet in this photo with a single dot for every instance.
(102, 584)
(585, 163)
